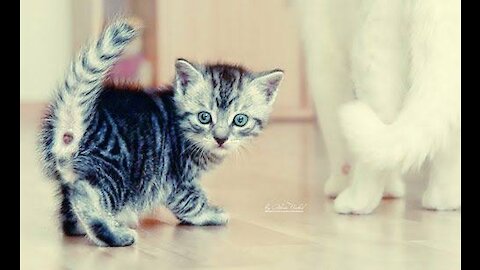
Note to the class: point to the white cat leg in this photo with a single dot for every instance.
(327, 39)
(328, 96)
(443, 191)
(365, 192)
(338, 180)
(379, 60)
(394, 186)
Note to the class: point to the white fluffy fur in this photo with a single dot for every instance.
(431, 109)
(391, 71)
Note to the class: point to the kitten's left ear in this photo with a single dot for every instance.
(268, 82)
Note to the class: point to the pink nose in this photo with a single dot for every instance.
(220, 141)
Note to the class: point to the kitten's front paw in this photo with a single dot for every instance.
(443, 200)
(219, 217)
(350, 202)
(213, 216)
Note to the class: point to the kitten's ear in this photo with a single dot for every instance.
(268, 82)
(186, 74)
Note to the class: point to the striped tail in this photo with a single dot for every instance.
(75, 98)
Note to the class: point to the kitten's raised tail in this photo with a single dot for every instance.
(75, 98)
(70, 111)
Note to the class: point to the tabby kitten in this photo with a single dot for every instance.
(118, 153)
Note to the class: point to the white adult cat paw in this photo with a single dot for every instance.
(441, 199)
(351, 202)
(394, 187)
(335, 184)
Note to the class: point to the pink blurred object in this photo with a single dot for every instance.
(126, 69)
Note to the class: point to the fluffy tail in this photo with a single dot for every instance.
(431, 110)
(75, 98)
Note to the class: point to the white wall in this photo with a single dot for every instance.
(45, 46)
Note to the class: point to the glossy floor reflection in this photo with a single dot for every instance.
(285, 165)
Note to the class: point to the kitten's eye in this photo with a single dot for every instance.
(240, 120)
(204, 117)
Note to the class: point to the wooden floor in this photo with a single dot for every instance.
(285, 165)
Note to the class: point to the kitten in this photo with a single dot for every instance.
(386, 82)
(117, 153)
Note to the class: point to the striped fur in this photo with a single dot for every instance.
(117, 153)
(75, 98)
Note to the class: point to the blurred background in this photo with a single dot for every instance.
(261, 35)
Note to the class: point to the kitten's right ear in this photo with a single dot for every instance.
(186, 74)
(268, 82)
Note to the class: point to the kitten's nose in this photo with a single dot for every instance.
(220, 141)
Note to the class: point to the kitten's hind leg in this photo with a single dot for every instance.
(189, 204)
(100, 226)
(71, 226)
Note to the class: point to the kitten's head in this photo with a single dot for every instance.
(220, 106)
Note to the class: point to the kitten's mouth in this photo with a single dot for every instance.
(220, 149)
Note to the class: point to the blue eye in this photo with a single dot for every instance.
(240, 120)
(204, 117)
